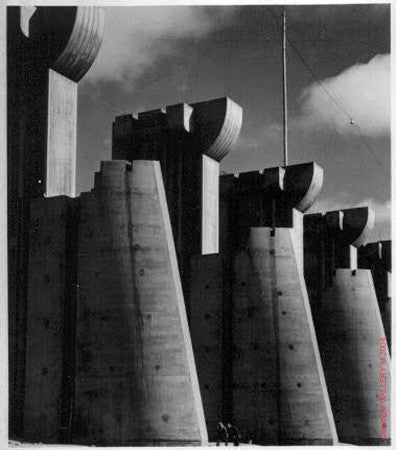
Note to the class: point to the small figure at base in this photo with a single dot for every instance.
(234, 434)
(222, 434)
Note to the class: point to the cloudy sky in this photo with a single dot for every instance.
(155, 56)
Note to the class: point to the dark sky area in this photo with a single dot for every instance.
(155, 56)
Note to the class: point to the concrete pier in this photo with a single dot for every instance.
(350, 332)
(136, 382)
(280, 394)
(376, 257)
(278, 386)
(189, 140)
(45, 60)
(350, 343)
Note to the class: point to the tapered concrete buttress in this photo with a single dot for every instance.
(136, 382)
(189, 141)
(375, 256)
(350, 331)
(280, 394)
(356, 367)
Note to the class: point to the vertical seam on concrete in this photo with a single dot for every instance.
(69, 325)
(275, 317)
(315, 345)
(128, 186)
(180, 301)
(227, 310)
(22, 292)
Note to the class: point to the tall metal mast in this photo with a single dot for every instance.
(285, 149)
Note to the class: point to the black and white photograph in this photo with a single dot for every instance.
(196, 224)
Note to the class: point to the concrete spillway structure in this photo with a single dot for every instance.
(376, 256)
(46, 58)
(278, 387)
(136, 381)
(109, 359)
(350, 332)
(190, 140)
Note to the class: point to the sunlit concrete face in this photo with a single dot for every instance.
(136, 381)
(348, 321)
(261, 269)
(280, 393)
(190, 141)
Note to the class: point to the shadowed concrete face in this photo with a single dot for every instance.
(347, 320)
(62, 45)
(43, 67)
(269, 197)
(355, 225)
(67, 39)
(350, 335)
(330, 242)
(189, 141)
(265, 198)
(50, 320)
(297, 185)
(206, 291)
(136, 381)
(386, 254)
(376, 257)
(280, 394)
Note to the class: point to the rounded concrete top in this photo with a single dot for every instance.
(352, 225)
(357, 225)
(67, 39)
(218, 123)
(303, 183)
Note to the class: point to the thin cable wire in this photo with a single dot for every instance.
(367, 145)
(364, 140)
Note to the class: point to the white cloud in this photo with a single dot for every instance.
(137, 37)
(362, 90)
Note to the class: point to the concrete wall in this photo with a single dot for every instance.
(349, 333)
(136, 381)
(280, 394)
(206, 299)
(43, 67)
(376, 257)
(49, 323)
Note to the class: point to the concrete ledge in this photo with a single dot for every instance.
(296, 186)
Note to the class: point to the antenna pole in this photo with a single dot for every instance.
(285, 155)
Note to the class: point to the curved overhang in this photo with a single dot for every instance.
(357, 225)
(218, 123)
(67, 38)
(303, 183)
